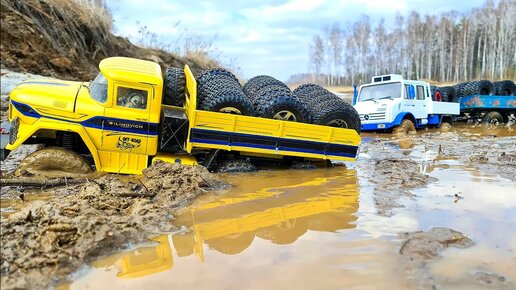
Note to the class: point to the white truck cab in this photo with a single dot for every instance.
(389, 99)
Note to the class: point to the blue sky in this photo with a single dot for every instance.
(263, 37)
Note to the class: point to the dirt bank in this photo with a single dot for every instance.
(47, 240)
(67, 40)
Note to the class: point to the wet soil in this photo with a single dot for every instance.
(431, 210)
(48, 239)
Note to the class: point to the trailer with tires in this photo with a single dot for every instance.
(391, 103)
(130, 116)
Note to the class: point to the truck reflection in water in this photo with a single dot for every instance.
(278, 207)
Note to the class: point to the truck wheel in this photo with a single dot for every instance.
(337, 113)
(279, 105)
(231, 244)
(406, 127)
(235, 165)
(459, 89)
(493, 117)
(448, 94)
(53, 161)
(505, 88)
(436, 94)
(213, 82)
(307, 88)
(445, 127)
(228, 101)
(174, 93)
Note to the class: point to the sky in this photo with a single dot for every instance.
(261, 37)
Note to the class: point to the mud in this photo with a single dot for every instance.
(47, 240)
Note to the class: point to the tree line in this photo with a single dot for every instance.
(450, 47)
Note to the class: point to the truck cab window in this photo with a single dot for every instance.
(99, 88)
(131, 98)
(420, 92)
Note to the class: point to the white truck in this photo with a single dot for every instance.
(390, 102)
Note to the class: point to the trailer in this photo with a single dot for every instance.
(487, 109)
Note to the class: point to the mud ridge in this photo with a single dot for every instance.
(47, 240)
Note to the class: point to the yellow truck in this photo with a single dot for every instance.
(120, 122)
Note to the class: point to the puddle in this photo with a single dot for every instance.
(321, 229)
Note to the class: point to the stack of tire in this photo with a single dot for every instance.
(274, 100)
(327, 108)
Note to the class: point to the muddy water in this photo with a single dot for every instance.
(340, 227)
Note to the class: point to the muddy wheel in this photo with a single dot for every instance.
(174, 93)
(231, 244)
(406, 127)
(445, 127)
(284, 233)
(53, 161)
(235, 165)
(493, 117)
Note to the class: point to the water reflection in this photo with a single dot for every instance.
(276, 206)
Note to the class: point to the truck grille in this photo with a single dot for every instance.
(373, 116)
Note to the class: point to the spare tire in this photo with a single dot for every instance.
(313, 98)
(307, 89)
(448, 94)
(504, 88)
(280, 105)
(228, 101)
(459, 90)
(174, 91)
(337, 113)
(258, 83)
(436, 94)
(210, 82)
(482, 87)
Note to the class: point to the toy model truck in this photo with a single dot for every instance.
(391, 103)
(119, 122)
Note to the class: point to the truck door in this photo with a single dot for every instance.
(126, 121)
(420, 108)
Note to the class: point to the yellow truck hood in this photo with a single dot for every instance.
(47, 95)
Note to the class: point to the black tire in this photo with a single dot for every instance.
(315, 97)
(337, 113)
(307, 88)
(212, 82)
(448, 94)
(235, 165)
(174, 92)
(436, 94)
(258, 83)
(482, 87)
(459, 90)
(228, 101)
(278, 104)
(493, 117)
(504, 88)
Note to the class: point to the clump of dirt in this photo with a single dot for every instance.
(395, 178)
(52, 238)
(490, 279)
(67, 40)
(420, 246)
(497, 162)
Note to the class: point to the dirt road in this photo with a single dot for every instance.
(433, 210)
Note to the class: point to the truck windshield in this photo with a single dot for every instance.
(98, 88)
(380, 91)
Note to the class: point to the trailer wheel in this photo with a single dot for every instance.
(53, 161)
(228, 101)
(337, 113)
(493, 117)
(235, 165)
(505, 88)
(174, 93)
(406, 127)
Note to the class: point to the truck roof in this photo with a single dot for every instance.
(131, 70)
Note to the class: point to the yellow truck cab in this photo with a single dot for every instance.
(120, 121)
